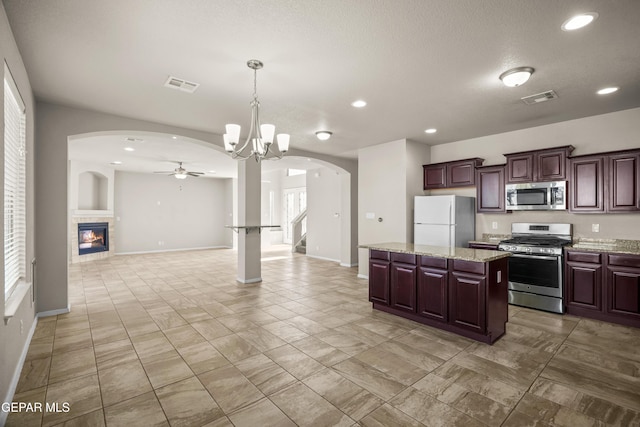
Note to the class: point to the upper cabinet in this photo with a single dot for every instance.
(490, 189)
(460, 173)
(538, 165)
(607, 182)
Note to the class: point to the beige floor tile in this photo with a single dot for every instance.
(34, 374)
(107, 333)
(234, 348)
(114, 353)
(28, 418)
(294, 361)
(82, 394)
(211, 329)
(72, 340)
(46, 327)
(550, 412)
(143, 411)
(307, 408)
(92, 419)
(343, 342)
(308, 326)
(167, 319)
(72, 364)
(369, 378)
(262, 413)
(187, 403)
(202, 357)
(389, 363)
(265, 374)
(285, 331)
(40, 348)
(230, 388)
(151, 344)
(386, 416)
(236, 322)
(183, 336)
(261, 339)
(166, 368)
(321, 351)
(122, 382)
(350, 398)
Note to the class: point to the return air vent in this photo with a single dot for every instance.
(539, 97)
(180, 84)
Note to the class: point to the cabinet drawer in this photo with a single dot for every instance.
(374, 254)
(624, 260)
(429, 261)
(590, 257)
(404, 258)
(468, 266)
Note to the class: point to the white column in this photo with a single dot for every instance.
(249, 183)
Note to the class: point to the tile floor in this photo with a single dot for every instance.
(172, 339)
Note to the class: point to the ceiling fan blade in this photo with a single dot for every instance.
(196, 174)
(163, 171)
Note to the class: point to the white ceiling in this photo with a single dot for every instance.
(418, 64)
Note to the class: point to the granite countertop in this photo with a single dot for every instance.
(618, 246)
(491, 239)
(464, 254)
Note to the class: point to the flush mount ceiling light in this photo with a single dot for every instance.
(260, 139)
(516, 76)
(607, 90)
(116, 162)
(129, 149)
(432, 130)
(579, 21)
(323, 135)
(359, 103)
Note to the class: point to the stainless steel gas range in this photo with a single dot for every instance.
(536, 266)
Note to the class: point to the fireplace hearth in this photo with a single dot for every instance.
(93, 237)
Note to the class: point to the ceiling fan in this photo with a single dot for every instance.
(180, 172)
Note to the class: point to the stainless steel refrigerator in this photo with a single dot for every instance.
(444, 220)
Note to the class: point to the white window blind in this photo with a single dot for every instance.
(14, 186)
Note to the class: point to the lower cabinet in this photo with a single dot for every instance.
(604, 286)
(449, 294)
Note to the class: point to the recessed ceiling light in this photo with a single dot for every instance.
(359, 103)
(116, 162)
(212, 171)
(516, 76)
(129, 149)
(607, 90)
(323, 135)
(579, 21)
(432, 130)
(174, 137)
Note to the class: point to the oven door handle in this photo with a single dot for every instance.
(550, 258)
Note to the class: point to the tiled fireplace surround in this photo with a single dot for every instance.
(75, 256)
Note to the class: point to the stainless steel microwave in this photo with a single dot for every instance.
(537, 196)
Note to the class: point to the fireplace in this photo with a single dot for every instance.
(93, 237)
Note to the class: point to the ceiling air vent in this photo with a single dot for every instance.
(539, 97)
(180, 84)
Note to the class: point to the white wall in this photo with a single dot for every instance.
(324, 214)
(14, 335)
(606, 132)
(389, 175)
(76, 192)
(160, 213)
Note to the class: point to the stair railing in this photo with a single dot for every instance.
(298, 232)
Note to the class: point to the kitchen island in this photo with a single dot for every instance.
(460, 290)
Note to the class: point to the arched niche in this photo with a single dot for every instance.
(93, 191)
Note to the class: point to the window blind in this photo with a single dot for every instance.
(14, 186)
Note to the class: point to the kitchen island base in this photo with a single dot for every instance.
(459, 290)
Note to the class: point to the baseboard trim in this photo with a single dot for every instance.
(16, 374)
(173, 250)
(323, 258)
(342, 264)
(246, 282)
(54, 312)
(362, 276)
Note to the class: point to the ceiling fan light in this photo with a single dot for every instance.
(516, 76)
(283, 142)
(181, 176)
(267, 132)
(323, 135)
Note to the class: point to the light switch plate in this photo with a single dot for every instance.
(595, 228)
(370, 215)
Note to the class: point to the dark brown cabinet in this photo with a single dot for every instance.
(465, 297)
(460, 173)
(432, 289)
(587, 184)
(490, 189)
(467, 301)
(624, 182)
(379, 276)
(538, 165)
(403, 281)
(603, 286)
(606, 182)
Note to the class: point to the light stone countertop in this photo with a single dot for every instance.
(617, 246)
(491, 239)
(464, 254)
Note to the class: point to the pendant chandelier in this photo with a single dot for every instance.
(259, 143)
